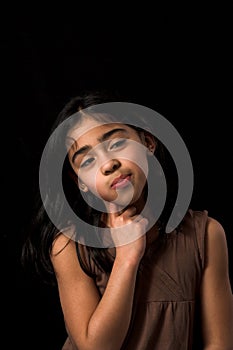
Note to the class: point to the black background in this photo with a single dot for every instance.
(176, 61)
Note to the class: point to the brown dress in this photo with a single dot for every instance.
(165, 311)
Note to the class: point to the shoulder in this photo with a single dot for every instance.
(60, 243)
(65, 259)
(69, 258)
(209, 235)
(211, 226)
(214, 228)
(63, 254)
(216, 244)
(215, 233)
(216, 293)
(208, 227)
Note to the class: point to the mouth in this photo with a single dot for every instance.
(121, 181)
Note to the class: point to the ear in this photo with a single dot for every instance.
(82, 187)
(150, 143)
(77, 181)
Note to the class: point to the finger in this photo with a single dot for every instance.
(137, 218)
(132, 220)
(140, 219)
(129, 212)
(144, 222)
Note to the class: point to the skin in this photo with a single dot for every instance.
(102, 323)
(120, 153)
(216, 293)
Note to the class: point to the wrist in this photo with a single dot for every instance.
(130, 263)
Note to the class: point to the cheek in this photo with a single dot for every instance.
(89, 180)
(92, 179)
(103, 191)
(142, 175)
(140, 179)
(135, 154)
(139, 167)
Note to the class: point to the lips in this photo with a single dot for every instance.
(121, 181)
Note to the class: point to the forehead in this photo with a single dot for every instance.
(83, 126)
(90, 127)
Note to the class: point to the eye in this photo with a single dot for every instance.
(118, 144)
(86, 162)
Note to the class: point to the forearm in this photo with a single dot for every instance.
(109, 323)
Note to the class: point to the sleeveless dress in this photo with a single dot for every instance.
(165, 313)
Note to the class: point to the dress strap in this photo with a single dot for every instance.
(200, 221)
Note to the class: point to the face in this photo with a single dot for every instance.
(110, 160)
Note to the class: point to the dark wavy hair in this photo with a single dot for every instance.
(42, 232)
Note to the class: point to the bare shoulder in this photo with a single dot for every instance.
(215, 229)
(65, 259)
(216, 245)
(60, 243)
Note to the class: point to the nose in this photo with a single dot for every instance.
(110, 166)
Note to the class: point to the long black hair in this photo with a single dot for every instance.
(42, 233)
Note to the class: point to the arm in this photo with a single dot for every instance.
(95, 323)
(216, 294)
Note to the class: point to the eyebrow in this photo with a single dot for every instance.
(103, 138)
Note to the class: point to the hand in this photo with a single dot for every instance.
(128, 227)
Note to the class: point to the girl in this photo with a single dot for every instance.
(126, 284)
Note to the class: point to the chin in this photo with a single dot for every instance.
(126, 202)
